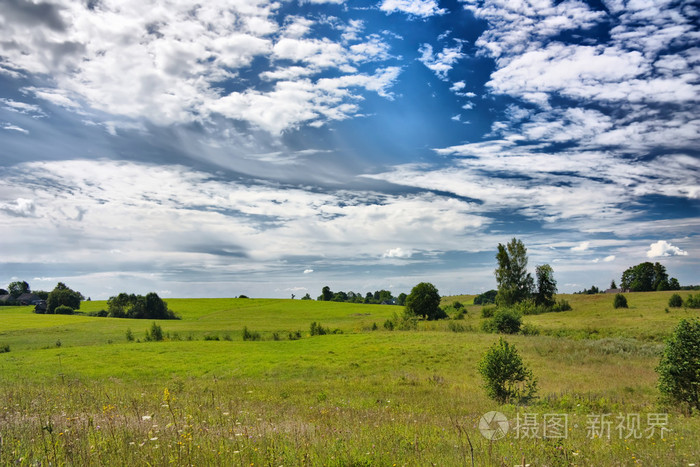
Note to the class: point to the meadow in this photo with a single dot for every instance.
(74, 391)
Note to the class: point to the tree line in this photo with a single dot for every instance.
(379, 297)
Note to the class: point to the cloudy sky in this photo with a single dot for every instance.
(267, 147)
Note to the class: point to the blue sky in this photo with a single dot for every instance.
(269, 148)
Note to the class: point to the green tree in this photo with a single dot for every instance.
(486, 298)
(424, 300)
(613, 285)
(515, 284)
(17, 288)
(401, 299)
(679, 368)
(673, 284)
(62, 295)
(506, 378)
(326, 294)
(546, 286)
(504, 321)
(306, 297)
(645, 277)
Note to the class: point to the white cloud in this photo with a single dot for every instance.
(308, 271)
(143, 61)
(609, 259)
(20, 207)
(582, 247)
(419, 8)
(442, 62)
(11, 127)
(664, 248)
(397, 253)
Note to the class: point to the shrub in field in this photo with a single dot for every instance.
(679, 369)
(155, 333)
(129, 335)
(504, 321)
(294, 336)
(675, 301)
(318, 330)
(692, 301)
(562, 305)
(389, 325)
(63, 310)
(620, 301)
(529, 330)
(4, 348)
(487, 311)
(506, 378)
(250, 335)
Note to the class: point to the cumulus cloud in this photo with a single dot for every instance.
(664, 248)
(609, 259)
(397, 253)
(20, 207)
(418, 8)
(308, 271)
(167, 65)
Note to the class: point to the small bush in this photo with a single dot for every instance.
(211, 337)
(294, 336)
(487, 311)
(562, 305)
(620, 301)
(129, 335)
(506, 379)
(692, 301)
(318, 330)
(63, 310)
(675, 301)
(155, 334)
(457, 305)
(389, 325)
(529, 330)
(250, 335)
(679, 368)
(4, 348)
(374, 326)
(227, 337)
(460, 314)
(276, 336)
(504, 321)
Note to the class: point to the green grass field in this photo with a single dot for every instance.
(73, 391)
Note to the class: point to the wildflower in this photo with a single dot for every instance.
(146, 417)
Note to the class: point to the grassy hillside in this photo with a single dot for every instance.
(362, 397)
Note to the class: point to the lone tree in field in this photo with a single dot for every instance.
(546, 285)
(506, 378)
(424, 300)
(515, 284)
(679, 369)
